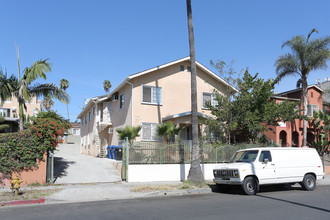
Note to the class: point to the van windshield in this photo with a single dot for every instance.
(244, 156)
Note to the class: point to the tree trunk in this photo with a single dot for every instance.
(305, 102)
(21, 115)
(195, 172)
(67, 108)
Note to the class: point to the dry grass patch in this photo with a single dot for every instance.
(28, 194)
(185, 185)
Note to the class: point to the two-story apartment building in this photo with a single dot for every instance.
(9, 110)
(146, 99)
(290, 134)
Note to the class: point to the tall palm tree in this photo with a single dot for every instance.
(64, 84)
(24, 89)
(106, 85)
(307, 55)
(47, 102)
(195, 172)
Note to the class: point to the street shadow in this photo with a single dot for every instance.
(60, 167)
(295, 203)
(237, 189)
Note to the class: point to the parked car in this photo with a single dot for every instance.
(253, 167)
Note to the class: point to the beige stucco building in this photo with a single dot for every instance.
(9, 109)
(146, 99)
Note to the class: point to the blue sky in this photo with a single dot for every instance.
(90, 41)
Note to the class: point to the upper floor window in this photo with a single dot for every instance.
(89, 116)
(208, 98)
(152, 95)
(121, 101)
(311, 109)
(94, 110)
(85, 119)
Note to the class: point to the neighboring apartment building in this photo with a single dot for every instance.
(9, 109)
(146, 99)
(290, 134)
(325, 86)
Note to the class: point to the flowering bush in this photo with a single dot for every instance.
(48, 132)
(21, 151)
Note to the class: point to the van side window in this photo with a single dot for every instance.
(265, 155)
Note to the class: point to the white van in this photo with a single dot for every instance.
(260, 166)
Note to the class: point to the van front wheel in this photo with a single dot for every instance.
(309, 182)
(250, 185)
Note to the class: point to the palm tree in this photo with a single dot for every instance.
(307, 55)
(195, 172)
(130, 132)
(24, 89)
(167, 130)
(64, 84)
(47, 102)
(5, 87)
(106, 85)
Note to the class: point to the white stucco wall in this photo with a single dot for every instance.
(165, 172)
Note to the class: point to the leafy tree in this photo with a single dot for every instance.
(252, 110)
(195, 172)
(24, 89)
(106, 85)
(64, 84)
(228, 73)
(168, 130)
(321, 123)
(307, 55)
(130, 132)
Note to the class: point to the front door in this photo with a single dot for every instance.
(265, 168)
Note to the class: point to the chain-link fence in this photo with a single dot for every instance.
(160, 153)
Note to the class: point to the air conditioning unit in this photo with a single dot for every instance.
(110, 130)
(115, 96)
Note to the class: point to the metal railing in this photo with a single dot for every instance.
(160, 153)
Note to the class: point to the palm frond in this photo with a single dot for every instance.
(286, 65)
(6, 88)
(38, 69)
(49, 89)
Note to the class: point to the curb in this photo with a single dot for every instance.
(23, 202)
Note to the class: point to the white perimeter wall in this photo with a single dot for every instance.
(165, 172)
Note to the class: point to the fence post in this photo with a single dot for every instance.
(124, 165)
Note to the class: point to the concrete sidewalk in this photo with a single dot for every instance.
(116, 191)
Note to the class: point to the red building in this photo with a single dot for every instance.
(290, 134)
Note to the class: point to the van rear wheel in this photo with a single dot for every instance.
(250, 185)
(309, 182)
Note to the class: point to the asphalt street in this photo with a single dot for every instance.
(270, 203)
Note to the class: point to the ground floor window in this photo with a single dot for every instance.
(149, 131)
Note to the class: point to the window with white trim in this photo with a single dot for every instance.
(121, 101)
(94, 110)
(311, 109)
(208, 98)
(89, 116)
(85, 119)
(149, 131)
(152, 95)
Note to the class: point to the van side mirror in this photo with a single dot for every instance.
(266, 160)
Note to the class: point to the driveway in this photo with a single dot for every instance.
(72, 167)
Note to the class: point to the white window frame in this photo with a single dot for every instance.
(213, 101)
(154, 100)
(311, 109)
(122, 101)
(153, 135)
